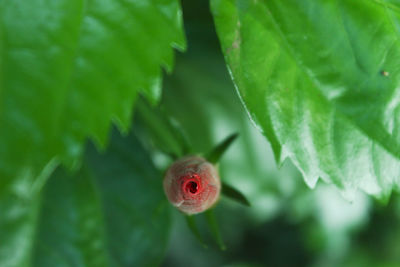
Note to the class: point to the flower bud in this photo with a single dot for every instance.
(192, 184)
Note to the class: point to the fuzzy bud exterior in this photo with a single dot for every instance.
(192, 184)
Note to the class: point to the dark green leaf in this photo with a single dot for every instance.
(70, 226)
(320, 79)
(112, 212)
(234, 194)
(214, 228)
(191, 223)
(215, 155)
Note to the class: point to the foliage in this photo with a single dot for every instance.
(319, 79)
(322, 86)
(69, 68)
(92, 217)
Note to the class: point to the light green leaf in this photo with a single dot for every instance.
(234, 194)
(68, 68)
(112, 212)
(158, 131)
(215, 155)
(320, 80)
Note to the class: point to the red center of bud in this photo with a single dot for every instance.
(191, 184)
(192, 187)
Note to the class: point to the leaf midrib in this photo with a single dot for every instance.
(62, 101)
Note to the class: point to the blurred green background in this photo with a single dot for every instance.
(288, 224)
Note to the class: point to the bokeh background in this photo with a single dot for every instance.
(288, 223)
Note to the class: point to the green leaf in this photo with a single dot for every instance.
(157, 130)
(191, 223)
(215, 155)
(234, 194)
(320, 80)
(70, 227)
(70, 67)
(19, 206)
(112, 212)
(213, 225)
